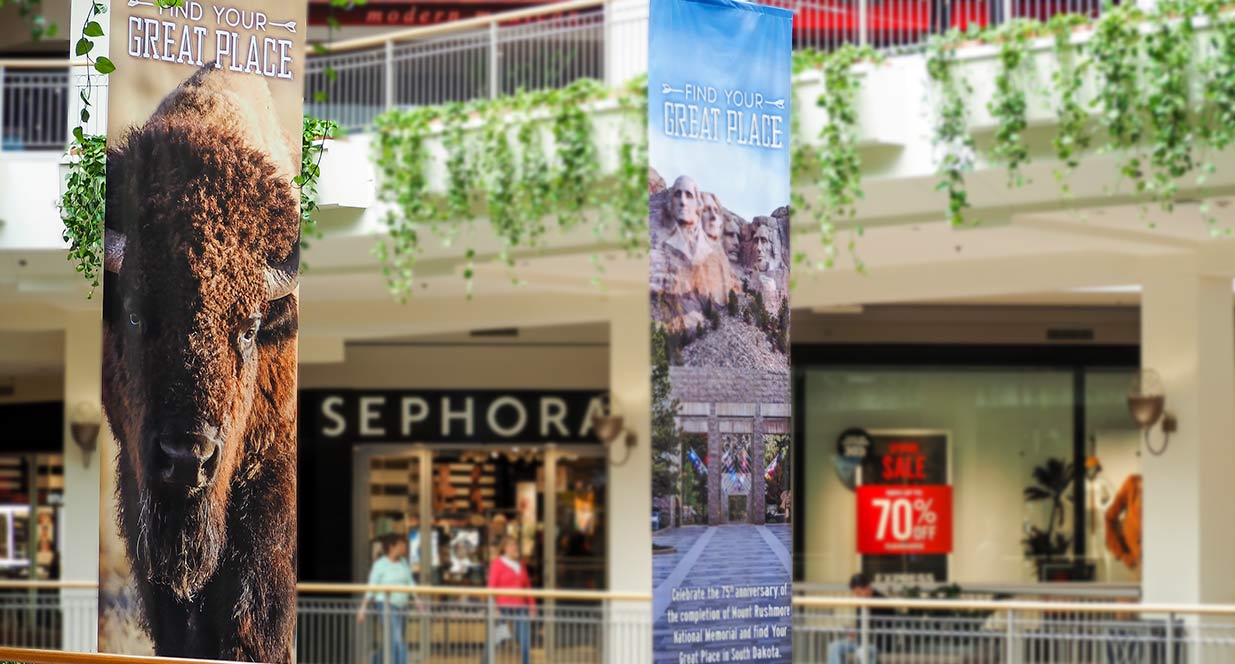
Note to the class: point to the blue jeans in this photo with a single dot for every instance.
(520, 629)
(839, 651)
(392, 630)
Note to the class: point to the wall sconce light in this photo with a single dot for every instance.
(1147, 405)
(611, 428)
(84, 427)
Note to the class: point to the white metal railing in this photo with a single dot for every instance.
(443, 625)
(34, 105)
(543, 47)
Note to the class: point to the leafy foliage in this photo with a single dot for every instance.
(952, 137)
(1052, 482)
(81, 206)
(665, 443)
(31, 11)
(1009, 105)
(313, 136)
(530, 159)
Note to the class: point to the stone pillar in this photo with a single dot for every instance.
(79, 550)
(715, 470)
(1188, 337)
(758, 485)
(629, 506)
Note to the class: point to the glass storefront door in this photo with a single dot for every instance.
(456, 504)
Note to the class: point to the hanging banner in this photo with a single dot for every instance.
(198, 523)
(718, 224)
(904, 508)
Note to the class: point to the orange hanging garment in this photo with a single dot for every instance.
(1123, 523)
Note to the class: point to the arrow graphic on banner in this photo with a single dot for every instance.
(143, 3)
(290, 26)
(665, 89)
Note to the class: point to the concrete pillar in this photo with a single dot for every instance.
(629, 506)
(626, 40)
(78, 75)
(1188, 337)
(758, 484)
(79, 550)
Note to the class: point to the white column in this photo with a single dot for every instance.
(626, 40)
(1188, 337)
(77, 75)
(630, 484)
(79, 551)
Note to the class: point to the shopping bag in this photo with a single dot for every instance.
(503, 633)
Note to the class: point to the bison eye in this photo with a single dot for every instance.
(250, 333)
(134, 320)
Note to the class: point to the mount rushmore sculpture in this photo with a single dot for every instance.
(702, 252)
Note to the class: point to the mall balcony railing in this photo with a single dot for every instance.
(547, 46)
(449, 625)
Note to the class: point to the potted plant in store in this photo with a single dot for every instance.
(1052, 480)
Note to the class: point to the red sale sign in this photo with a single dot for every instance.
(904, 519)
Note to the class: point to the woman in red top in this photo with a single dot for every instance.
(506, 571)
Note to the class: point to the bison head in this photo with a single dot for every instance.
(202, 260)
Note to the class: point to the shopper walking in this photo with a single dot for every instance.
(508, 572)
(389, 608)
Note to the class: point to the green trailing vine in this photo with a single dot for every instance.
(313, 136)
(836, 163)
(528, 157)
(1009, 104)
(82, 206)
(1168, 97)
(402, 162)
(1116, 53)
(952, 137)
(1072, 137)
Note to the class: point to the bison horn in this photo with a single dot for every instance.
(113, 251)
(283, 278)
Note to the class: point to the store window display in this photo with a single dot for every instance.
(1042, 464)
(477, 497)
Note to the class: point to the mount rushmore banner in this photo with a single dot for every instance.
(198, 524)
(718, 222)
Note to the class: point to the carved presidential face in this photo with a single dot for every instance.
(764, 251)
(712, 216)
(684, 202)
(732, 240)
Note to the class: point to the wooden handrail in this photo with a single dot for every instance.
(317, 588)
(462, 25)
(1001, 606)
(41, 63)
(29, 656)
(1004, 606)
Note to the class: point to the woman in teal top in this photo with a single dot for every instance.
(391, 569)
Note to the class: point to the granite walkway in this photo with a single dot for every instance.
(720, 557)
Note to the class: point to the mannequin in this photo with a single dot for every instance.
(1123, 523)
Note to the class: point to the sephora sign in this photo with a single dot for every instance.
(451, 416)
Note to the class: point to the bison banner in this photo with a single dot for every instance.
(198, 541)
(718, 224)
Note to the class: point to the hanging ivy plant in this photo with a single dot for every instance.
(82, 205)
(401, 157)
(628, 204)
(1168, 97)
(1072, 137)
(1008, 105)
(313, 136)
(837, 165)
(576, 168)
(1115, 51)
(952, 139)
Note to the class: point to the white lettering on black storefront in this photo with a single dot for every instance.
(485, 416)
